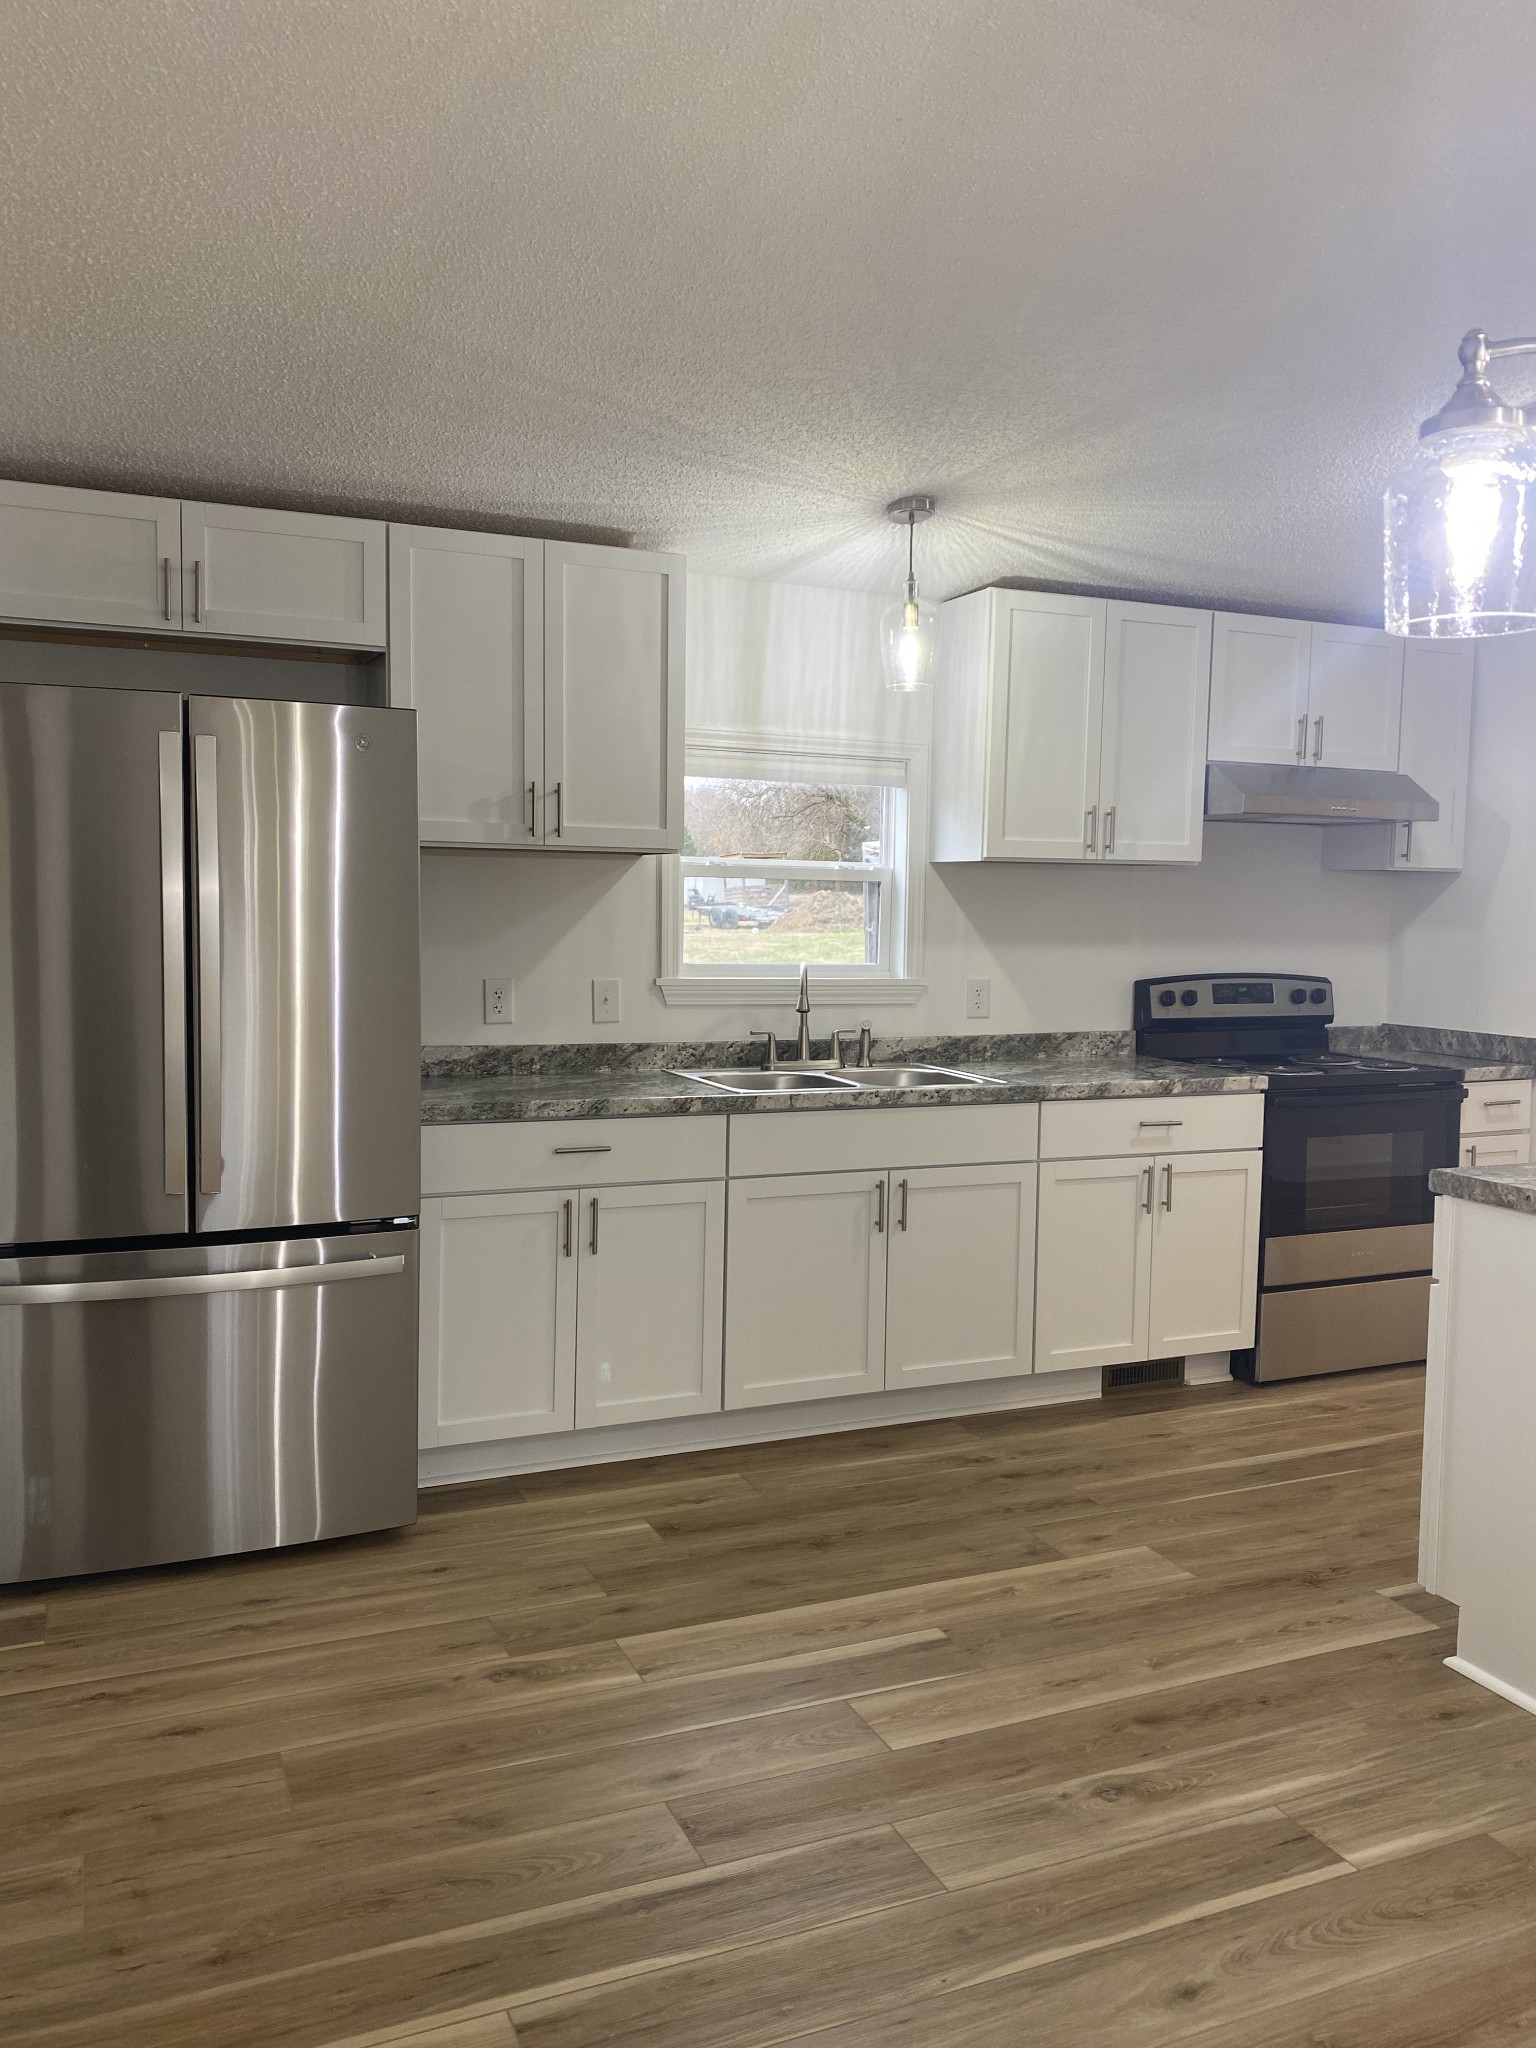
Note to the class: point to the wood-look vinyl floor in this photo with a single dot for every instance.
(1118, 1724)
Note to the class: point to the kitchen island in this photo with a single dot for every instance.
(1477, 1537)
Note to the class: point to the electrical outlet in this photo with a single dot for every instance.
(978, 999)
(498, 1001)
(606, 1006)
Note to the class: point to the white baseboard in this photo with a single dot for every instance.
(455, 1464)
(1207, 1368)
(1489, 1683)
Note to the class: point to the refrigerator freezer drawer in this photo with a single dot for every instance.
(193, 1403)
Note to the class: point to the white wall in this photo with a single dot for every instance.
(1463, 953)
(1060, 945)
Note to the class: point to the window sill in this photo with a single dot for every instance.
(718, 991)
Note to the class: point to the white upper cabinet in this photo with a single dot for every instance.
(1047, 714)
(466, 653)
(102, 558)
(1069, 729)
(613, 698)
(547, 681)
(89, 558)
(1259, 680)
(1288, 692)
(1157, 669)
(1354, 697)
(1434, 746)
(301, 576)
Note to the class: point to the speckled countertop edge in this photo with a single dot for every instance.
(1475, 1055)
(1496, 1187)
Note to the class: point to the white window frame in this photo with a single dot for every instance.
(794, 757)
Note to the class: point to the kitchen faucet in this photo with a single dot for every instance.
(802, 1056)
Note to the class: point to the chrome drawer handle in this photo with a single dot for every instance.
(567, 1150)
(1161, 1123)
(1504, 1102)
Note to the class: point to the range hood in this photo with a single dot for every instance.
(1268, 794)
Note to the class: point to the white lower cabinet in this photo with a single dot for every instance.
(569, 1308)
(805, 1288)
(1205, 1253)
(1094, 1275)
(960, 1293)
(651, 1272)
(1146, 1258)
(498, 1316)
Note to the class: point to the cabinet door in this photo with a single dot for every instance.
(1355, 697)
(1157, 691)
(89, 558)
(805, 1288)
(1205, 1252)
(961, 1289)
(1045, 725)
(304, 576)
(1511, 1149)
(1258, 688)
(1094, 1270)
(498, 1316)
(466, 654)
(649, 1302)
(613, 698)
(1434, 746)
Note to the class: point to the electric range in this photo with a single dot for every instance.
(1346, 1217)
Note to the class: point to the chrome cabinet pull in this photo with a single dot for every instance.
(1109, 829)
(902, 1217)
(197, 592)
(594, 1226)
(173, 965)
(533, 810)
(1301, 737)
(559, 809)
(165, 588)
(1406, 856)
(1161, 1123)
(1317, 739)
(1168, 1186)
(563, 1150)
(1471, 1155)
(1091, 829)
(44, 1293)
(569, 1209)
(1146, 1198)
(879, 1205)
(1505, 1102)
(210, 1020)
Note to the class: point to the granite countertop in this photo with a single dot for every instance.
(1475, 1055)
(1499, 1187)
(462, 1085)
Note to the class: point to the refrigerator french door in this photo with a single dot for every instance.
(209, 1125)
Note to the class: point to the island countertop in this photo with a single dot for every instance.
(1496, 1187)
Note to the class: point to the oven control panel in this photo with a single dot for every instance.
(1232, 998)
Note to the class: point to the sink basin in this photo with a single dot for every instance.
(919, 1077)
(769, 1081)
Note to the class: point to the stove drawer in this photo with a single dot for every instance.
(1349, 1328)
(1131, 1126)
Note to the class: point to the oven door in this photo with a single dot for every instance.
(1357, 1161)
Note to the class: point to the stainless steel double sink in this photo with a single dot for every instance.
(824, 1081)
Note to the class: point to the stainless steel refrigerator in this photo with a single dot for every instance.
(209, 1125)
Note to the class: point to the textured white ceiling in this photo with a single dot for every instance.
(1150, 296)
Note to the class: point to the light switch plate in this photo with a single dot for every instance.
(606, 1004)
(498, 1000)
(978, 999)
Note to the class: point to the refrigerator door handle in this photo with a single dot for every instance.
(173, 964)
(52, 1293)
(210, 1021)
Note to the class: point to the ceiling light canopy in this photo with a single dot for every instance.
(1461, 514)
(909, 631)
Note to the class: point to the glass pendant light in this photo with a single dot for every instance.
(1461, 514)
(909, 631)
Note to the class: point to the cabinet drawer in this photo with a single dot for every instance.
(1128, 1125)
(867, 1140)
(461, 1159)
(1499, 1148)
(1496, 1106)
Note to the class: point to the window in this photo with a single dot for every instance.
(793, 855)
